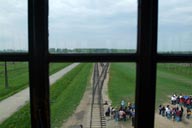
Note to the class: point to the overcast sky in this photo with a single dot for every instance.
(97, 24)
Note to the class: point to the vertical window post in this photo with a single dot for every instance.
(146, 64)
(38, 63)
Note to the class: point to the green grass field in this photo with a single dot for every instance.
(175, 80)
(18, 76)
(171, 78)
(65, 95)
(122, 80)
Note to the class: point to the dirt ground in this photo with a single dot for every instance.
(163, 122)
(82, 114)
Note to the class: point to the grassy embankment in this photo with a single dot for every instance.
(65, 95)
(18, 76)
(171, 78)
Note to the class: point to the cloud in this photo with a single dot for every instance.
(90, 7)
(97, 23)
(175, 12)
(94, 21)
(13, 24)
(175, 22)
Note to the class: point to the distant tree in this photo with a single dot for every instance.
(59, 50)
(65, 50)
(52, 50)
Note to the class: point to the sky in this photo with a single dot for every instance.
(97, 24)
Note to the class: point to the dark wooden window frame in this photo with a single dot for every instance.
(146, 59)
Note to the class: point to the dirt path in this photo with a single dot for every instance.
(163, 122)
(15, 102)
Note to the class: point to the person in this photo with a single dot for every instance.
(173, 99)
(116, 114)
(181, 112)
(188, 102)
(188, 113)
(129, 105)
(160, 109)
(122, 115)
(163, 111)
(123, 104)
(178, 115)
(133, 106)
(168, 112)
(107, 113)
(106, 103)
(81, 126)
(133, 118)
(112, 113)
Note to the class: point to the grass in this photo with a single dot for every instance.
(173, 68)
(66, 98)
(20, 119)
(171, 78)
(122, 82)
(65, 95)
(18, 76)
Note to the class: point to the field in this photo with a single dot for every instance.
(18, 77)
(122, 82)
(171, 79)
(65, 94)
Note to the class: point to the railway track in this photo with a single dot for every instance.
(97, 118)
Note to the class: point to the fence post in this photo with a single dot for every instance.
(6, 76)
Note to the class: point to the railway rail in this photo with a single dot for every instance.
(97, 118)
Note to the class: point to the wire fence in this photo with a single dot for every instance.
(12, 73)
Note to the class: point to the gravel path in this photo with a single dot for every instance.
(15, 102)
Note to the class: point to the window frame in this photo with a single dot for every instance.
(146, 59)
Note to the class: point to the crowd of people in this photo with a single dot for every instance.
(181, 100)
(122, 113)
(174, 113)
(176, 110)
